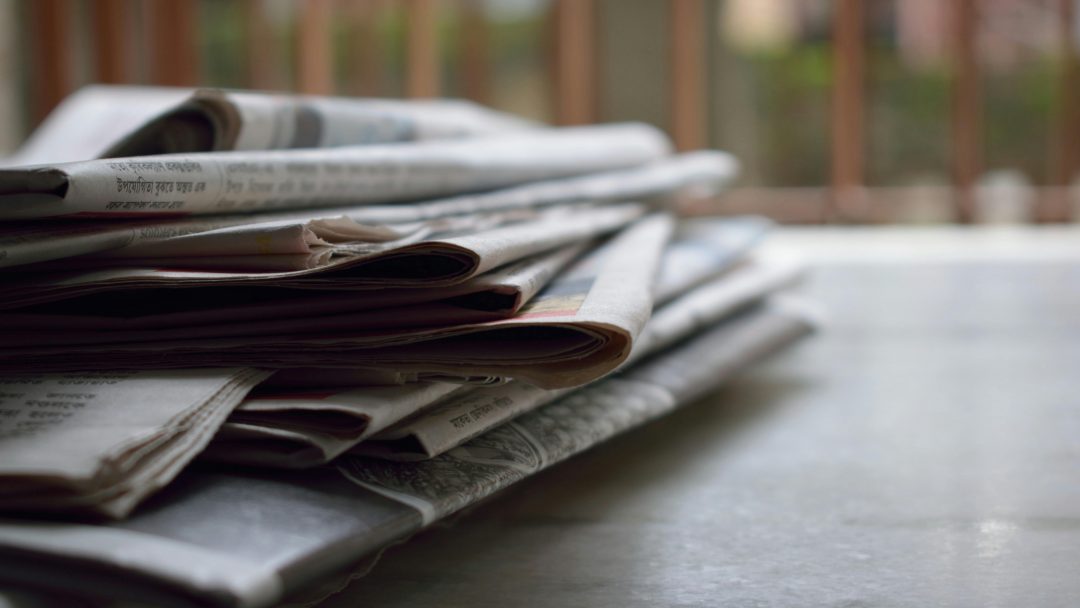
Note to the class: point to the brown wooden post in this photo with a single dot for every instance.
(51, 56)
(174, 48)
(365, 53)
(574, 63)
(422, 48)
(1066, 135)
(687, 39)
(847, 108)
(314, 45)
(264, 54)
(112, 40)
(475, 58)
(966, 109)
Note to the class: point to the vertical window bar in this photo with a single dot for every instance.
(314, 43)
(847, 108)
(263, 60)
(475, 52)
(574, 61)
(966, 109)
(365, 52)
(422, 61)
(51, 54)
(687, 94)
(112, 50)
(1066, 140)
(173, 43)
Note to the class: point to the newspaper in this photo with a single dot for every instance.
(321, 378)
(703, 249)
(125, 120)
(502, 291)
(306, 429)
(461, 417)
(238, 182)
(100, 443)
(233, 247)
(88, 121)
(495, 294)
(579, 328)
(442, 485)
(219, 120)
(683, 176)
(249, 539)
(431, 259)
(27, 243)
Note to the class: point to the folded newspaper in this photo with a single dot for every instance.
(498, 293)
(580, 328)
(460, 417)
(437, 259)
(307, 428)
(693, 174)
(418, 303)
(199, 544)
(302, 425)
(213, 120)
(109, 120)
(231, 182)
(102, 442)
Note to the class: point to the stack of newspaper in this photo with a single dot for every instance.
(416, 303)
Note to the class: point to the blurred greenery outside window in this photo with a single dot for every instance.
(769, 75)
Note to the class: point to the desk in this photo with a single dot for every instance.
(922, 450)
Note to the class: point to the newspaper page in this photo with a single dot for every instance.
(668, 179)
(126, 120)
(90, 245)
(429, 259)
(459, 417)
(702, 250)
(579, 328)
(682, 176)
(231, 246)
(321, 378)
(88, 121)
(220, 120)
(199, 542)
(498, 293)
(443, 485)
(462, 417)
(305, 429)
(502, 291)
(232, 182)
(705, 248)
(102, 442)
(293, 428)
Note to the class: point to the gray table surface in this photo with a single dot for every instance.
(922, 450)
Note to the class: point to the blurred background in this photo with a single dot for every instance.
(841, 111)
